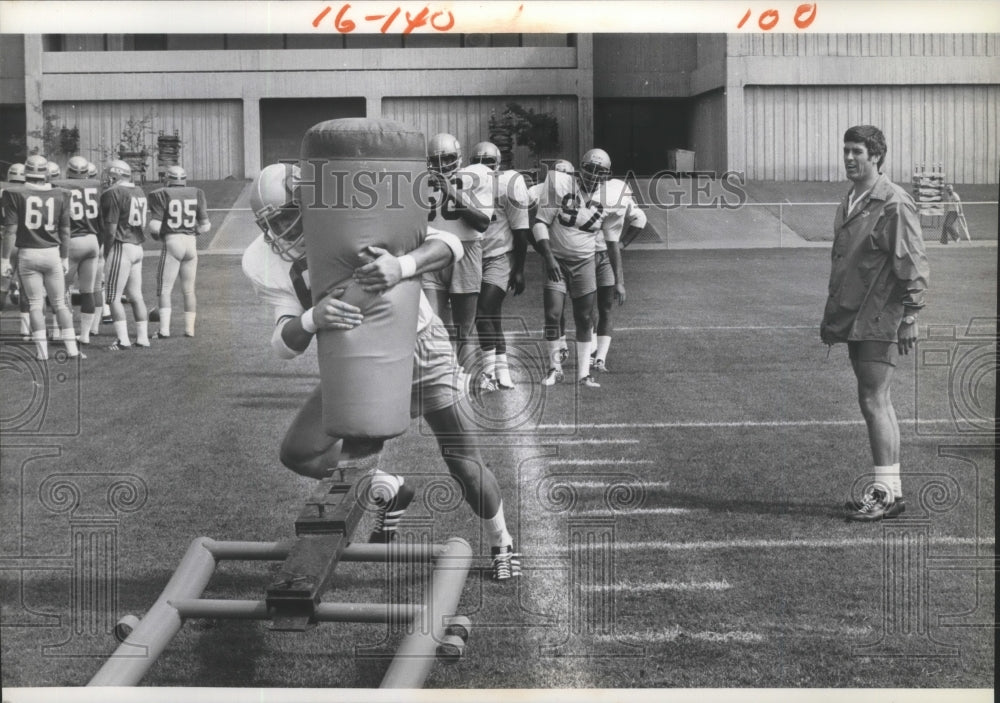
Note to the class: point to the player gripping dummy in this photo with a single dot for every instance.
(572, 214)
(364, 398)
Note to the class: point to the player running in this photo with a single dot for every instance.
(177, 214)
(461, 203)
(572, 213)
(276, 265)
(505, 244)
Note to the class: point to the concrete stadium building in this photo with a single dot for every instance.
(772, 106)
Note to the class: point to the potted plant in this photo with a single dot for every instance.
(132, 146)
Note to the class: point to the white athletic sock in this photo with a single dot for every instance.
(95, 327)
(69, 339)
(503, 371)
(562, 343)
(121, 329)
(603, 344)
(189, 323)
(26, 324)
(384, 486)
(41, 344)
(554, 347)
(105, 310)
(582, 359)
(86, 322)
(165, 321)
(496, 527)
(142, 333)
(54, 329)
(888, 476)
(490, 362)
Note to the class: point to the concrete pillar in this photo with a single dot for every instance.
(735, 107)
(33, 89)
(251, 136)
(585, 94)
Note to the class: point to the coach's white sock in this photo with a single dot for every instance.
(142, 333)
(496, 528)
(189, 323)
(69, 339)
(121, 330)
(888, 476)
(86, 322)
(554, 347)
(165, 321)
(603, 344)
(384, 486)
(490, 362)
(41, 345)
(582, 359)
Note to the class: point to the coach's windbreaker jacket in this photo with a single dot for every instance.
(879, 267)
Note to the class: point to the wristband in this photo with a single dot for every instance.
(308, 322)
(407, 265)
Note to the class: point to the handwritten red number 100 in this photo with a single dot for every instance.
(804, 16)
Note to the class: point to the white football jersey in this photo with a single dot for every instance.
(477, 181)
(510, 212)
(285, 286)
(623, 209)
(576, 219)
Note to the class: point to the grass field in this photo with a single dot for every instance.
(706, 475)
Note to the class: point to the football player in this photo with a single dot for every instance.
(177, 214)
(572, 213)
(611, 281)
(123, 221)
(8, 278)
(461, 202)
(36, 220)
(276, 265)
(83, 200)
(505, 244)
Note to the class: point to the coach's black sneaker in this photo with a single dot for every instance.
(389, 515)
(506, 563)
(875, 505)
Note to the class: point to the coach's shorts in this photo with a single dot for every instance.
(496, 270)
(462, 277)
(438, 381)
(579, 277)
(868, 350)
(605, 272)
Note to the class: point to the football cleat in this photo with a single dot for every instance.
(503, 379)
(506, 563)
(486, 384)
(141, 347)
(161, 335)
(875, 505)
(599, 365)
(487, 154)
(553, 377)
(563, 354)
(389, 515)
(118, 346)
(444, 154)
(588, 382)
(274, 201)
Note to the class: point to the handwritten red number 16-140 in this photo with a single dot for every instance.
(804, 16)
(440, 21)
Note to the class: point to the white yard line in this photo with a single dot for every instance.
(638, 512)
(598, 462)
(607, 484)
(736, 423)
(706, 545)
(675, 633)
(628, 587)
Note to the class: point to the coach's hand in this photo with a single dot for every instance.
(907, 337)
(381, 272)
(331, 313)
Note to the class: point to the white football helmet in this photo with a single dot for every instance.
(274, 200)
(175, 176)
(444, 154)
(77, 167)
(595, 168)
(563, 166)
(91, 170)
(486, 153)
(55, 173)
(36, 168)
(117, 170)
(15, 173)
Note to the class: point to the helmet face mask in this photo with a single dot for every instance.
(276, 210)
(444, 154)
(487, 154)
(595, 168)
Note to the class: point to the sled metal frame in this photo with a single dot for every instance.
(293, 603)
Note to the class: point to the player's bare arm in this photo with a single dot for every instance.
(466, 209)
(541, 233)
(615, 257)
(516, 282)
(330, 313)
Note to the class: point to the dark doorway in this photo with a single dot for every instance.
(283, 121)
(13, 146)
(637, 133)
